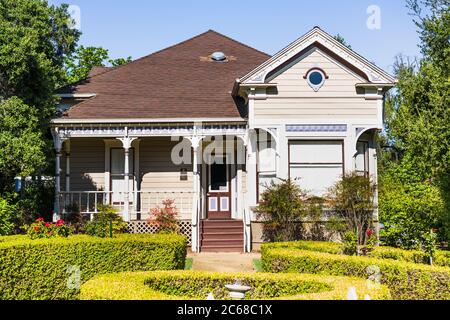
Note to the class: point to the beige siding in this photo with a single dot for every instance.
(296, 99)
(160, 174)
(87, 165)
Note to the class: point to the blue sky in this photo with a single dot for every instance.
(139, 27)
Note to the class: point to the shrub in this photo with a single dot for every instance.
(188, 285)
(107, 221)
(41, 229)
(42, 269)
(408, 207)
(7, 214)
(442, 258)
(406, 281)
(281, 206)
(352, 198)
(165, 219)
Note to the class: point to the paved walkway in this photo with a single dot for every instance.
(224, 262)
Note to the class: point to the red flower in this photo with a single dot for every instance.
(60, 223)
(40, 220)
(370, 233)
(48, 225)
(36, 229)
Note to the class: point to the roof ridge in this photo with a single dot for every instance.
(154, 53)
(239, 42)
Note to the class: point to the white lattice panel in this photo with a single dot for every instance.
(142, 227)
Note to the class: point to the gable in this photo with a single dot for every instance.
(291, 77)
(318, 38)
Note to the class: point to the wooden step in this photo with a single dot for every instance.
(222, 249)
(223, 242)
(223, 235)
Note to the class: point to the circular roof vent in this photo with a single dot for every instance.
(218, 56)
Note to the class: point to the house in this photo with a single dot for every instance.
(207, 123)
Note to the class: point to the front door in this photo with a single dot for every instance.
(219, 189)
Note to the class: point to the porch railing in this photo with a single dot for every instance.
(139, 205)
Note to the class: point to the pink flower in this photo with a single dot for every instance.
(40, 220)
(48, 225)
(60, 223)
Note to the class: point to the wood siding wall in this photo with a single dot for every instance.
(295, 99)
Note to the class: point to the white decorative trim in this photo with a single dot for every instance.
(76, 95)
(373, 73)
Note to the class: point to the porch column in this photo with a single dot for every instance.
(196, 202)
(252, 199)
(58, 143)
(68, 166)
(126, 142)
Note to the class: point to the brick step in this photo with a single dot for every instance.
(239, 248)
(222, 229)
(223, 235)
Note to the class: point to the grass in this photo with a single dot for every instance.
(188, 264)
(257, 264)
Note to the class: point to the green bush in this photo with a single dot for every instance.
(405, 280)
(105, 222)
(441, 258)
(42, 269)
(7, 214)
(189, 285)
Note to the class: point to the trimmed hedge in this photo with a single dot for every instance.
(189, 285)
(442, 258)
(406, 281)
(40, 269)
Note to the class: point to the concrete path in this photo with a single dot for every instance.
(224, 262)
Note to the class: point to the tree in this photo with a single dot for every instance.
(84, 59)
(352, 198)
(342, 40)
(418, 113)
(281, 207)
(35, 38)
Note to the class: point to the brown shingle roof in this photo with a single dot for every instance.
(177, 82)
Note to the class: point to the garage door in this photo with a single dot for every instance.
(316, 165)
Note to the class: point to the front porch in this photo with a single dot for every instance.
(202, 169)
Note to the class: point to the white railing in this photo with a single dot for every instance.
(139, 205)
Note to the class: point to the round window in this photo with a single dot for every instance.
(316, 79)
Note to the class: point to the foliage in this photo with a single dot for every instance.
(281, 207)
(41, 229)
(84, 59)
(35, 38)
(187, 285)
(342, 40)
(42, 269)
(408, 206)
(22, 146)
(418, 116)
(105, 221)
(429, 244)
(406, 281)
(7, 215)
(352, 198)
(165, 219)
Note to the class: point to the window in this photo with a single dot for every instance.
(362, 158)
(316, 165)
(316, 78)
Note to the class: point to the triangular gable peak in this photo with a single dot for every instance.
(317, 38)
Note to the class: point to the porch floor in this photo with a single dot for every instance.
(223, 262)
